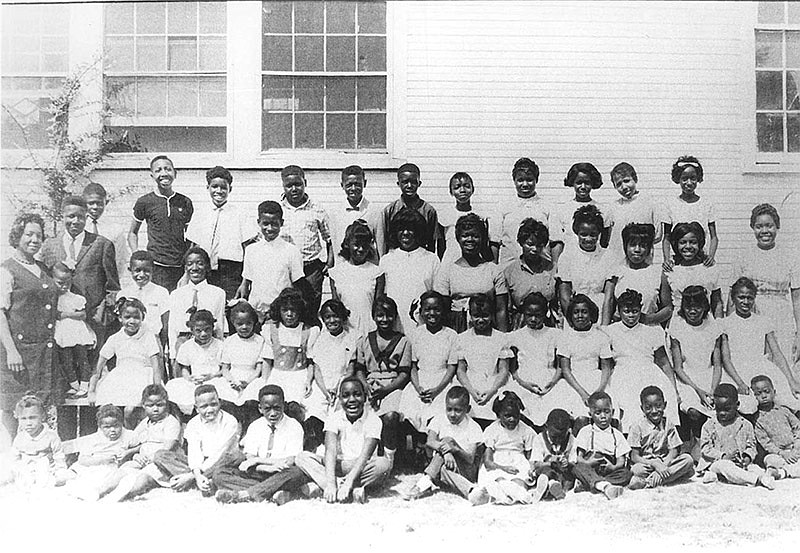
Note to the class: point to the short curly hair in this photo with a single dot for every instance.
(219, 172)
(531, 228)
(288, 296)
(681, 230)
(19, 224)
(765, 209)
(525, 165)
(594, 175)
(588, 215)
(682, 163)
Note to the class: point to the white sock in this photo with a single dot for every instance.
(600, 486)
(424, 483)
(390, 454)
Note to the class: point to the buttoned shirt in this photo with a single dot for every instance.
(72, 246)
(209, 440)
(307, 226)
(221, 231)
(345, 215)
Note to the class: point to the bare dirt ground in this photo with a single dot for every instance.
(689, 517)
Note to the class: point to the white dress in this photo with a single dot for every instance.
(634, 368)
(646, 281)
(408, 275)
(697, 348)
(584, 351)
(536, 352)
(640, 209)
(482, 354)
(332, 354)
(432, 353)
(355, 285)
(123, 385)
(702, 211)
(775, 273)
(509, 449)
(201, 360)
(747, 340)
(682, 276)
(587, 271)
(72, 332)
(566, 213)
(242, 354)
(448, 217)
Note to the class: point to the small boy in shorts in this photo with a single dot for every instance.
(271, 264)
(211, 438)
(408, 180)
(655, 445)
(455, 440)
(270, 445)
(551, 452)
(728, 444)
(601, 451)
(777, 430)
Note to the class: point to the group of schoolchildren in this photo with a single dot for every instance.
(231, 331)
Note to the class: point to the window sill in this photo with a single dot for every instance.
(779, 163)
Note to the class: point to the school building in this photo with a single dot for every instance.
(450, 86)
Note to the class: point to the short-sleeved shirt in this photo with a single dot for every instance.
(270, 266)
(433, 351)
(207, 441)
(351, 436)
(408, 275)
(332, 354)
(153, 435)
(584, 349)
(522, 281)
(697, 342)
(423, 208)
(46, 444)
(221, 231)
(678, 211)
(460, 280)
(737, 437)
(499, 438)
(155, 299)
(505, 224)
(640, 209)
(565, 212)
(605, 442)
(181, 299)
(382, 374)
(242, 353)
(344, 214)
(355, 286)
(201, 360)
(307, 226)
(654, 442)
(467, 433)
(98, 444)
(683, 276)
(133, 350)
(166, 219)
(543, 449)
(287, 442)
(637, 343)
(586, 271)
(448, 217)
(646, 281)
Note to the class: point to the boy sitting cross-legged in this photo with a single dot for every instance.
(655, 445)
(270, 446)
(455, 440)
(551, 452)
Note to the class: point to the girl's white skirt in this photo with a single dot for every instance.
(124, 384)
(627, 382)
(181, 392)
(418, 413)
(390, 403)
(763, 366)
(293, 384)
(505, 457)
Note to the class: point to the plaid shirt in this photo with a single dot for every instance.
(304, 226)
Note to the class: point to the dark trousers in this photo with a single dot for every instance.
(564, 477)
(74, 363)
(260, 486)
(167, 277)
(589, 476)
(312, 293)
(228, 276)
(175, 463)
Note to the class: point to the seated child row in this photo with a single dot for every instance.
(506, 463)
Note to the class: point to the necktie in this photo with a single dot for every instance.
(214, 241)
(194, 299)
(73, 249)
(271, 441)
(94, 226)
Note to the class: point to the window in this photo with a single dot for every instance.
(323, 75)
(165, 74)
(777, 65)
(34, 60)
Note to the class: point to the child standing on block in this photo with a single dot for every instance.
(383, 361)
(72, 335)
(307, 227)
(551, 453)
(352, 433)
(455, 440)
(655, 446)
(601, 451)
(728, 444)
(271, 264)
(777, 430)
(408, 180)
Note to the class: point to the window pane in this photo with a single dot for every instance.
(308, 17)
(371, 93)
(182, 53)
(121, 94)
(119, 18)
(213, 17)
(372, 130)
(183, 97)
(150, 17)
(150, 53)
(175, 139)
(119, 53)
(769, 88)
(308, 129)
(794, 13)
(371, 53)
(54, 18)
(793, 49)
(54, 53)
(770, 12)
(372, 17)
(769, 130)
(769, 46)
(308, 53)
(341, 93)
(213, 97)
(340, 17)
(340, 132)
(152, 97)
(277, 53)
(792, 99)
(212, 53)
(310, 93)
(182, 17)
(276, 17)
(341, 53)
(793, 132)
(276, 130)
(277, 93)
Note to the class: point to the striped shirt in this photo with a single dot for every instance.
(304, 226)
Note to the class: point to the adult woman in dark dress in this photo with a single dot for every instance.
(28, 302)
